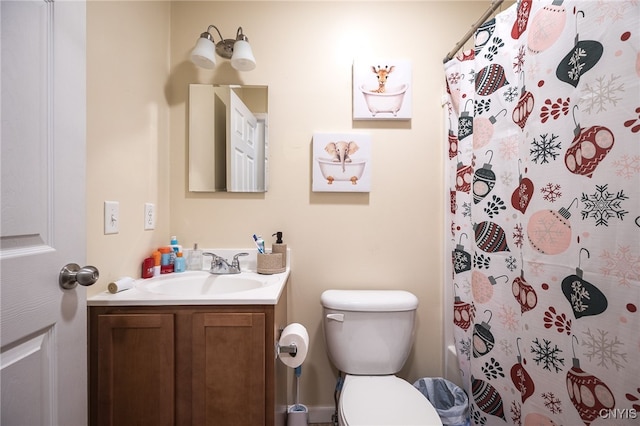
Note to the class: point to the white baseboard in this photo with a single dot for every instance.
(321, 414)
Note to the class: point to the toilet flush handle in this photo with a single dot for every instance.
(336, 317)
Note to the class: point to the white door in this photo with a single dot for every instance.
(43, 347)
(243, 151)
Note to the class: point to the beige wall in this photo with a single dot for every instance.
(128, 158)
(391, 237)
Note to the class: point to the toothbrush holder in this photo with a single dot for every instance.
(270, 263)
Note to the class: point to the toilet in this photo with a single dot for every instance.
(369, 334)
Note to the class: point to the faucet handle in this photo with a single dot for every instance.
(236, 261)
(214, 257)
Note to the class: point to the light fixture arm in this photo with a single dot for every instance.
(209, 32)
(240, 35)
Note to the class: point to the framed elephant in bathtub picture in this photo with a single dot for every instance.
(341, 162)
(381, 89)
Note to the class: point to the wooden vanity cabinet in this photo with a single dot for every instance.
(133, 368)
(228, 369)
(186, 365)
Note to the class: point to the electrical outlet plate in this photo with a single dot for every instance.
(111, 217)
(149, 216)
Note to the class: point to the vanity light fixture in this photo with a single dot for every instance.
(238, 50)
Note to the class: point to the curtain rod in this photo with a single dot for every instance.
(494, 5)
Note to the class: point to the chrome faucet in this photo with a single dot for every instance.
(220, 266)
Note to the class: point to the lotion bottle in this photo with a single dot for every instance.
(174, 244)
(179, 265)
(280, 247)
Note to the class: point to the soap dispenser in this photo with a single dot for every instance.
(280, 247)
(194, 262)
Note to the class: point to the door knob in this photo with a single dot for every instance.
(72, 274)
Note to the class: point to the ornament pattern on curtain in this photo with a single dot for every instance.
(544, 153)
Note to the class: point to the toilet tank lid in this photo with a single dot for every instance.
(369, 300)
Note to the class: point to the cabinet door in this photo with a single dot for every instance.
(136, 372)
(228, 369)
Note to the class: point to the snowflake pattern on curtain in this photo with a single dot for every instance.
(544, 153)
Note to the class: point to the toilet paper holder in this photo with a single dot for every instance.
(290, 349)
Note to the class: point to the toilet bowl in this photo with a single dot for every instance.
(369, 334)
(383, 401)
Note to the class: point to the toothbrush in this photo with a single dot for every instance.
(259, 244)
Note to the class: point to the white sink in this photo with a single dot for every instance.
(202, 283)
(202, 288)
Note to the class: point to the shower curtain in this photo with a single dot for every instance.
(544, 165)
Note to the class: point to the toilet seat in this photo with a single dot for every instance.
(384, 401)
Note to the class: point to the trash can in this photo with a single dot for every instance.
(449, 400)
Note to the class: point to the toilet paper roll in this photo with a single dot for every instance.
(294, 334)
(124, 283)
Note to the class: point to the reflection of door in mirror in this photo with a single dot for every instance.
(228, 136)
(243, 156)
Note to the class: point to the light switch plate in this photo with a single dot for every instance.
(149, 216)
(111, 217)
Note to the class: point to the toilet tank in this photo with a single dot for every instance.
(368, 332)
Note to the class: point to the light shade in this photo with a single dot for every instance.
(243, 59)
(204, 54)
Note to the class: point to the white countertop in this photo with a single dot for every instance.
(140, 294)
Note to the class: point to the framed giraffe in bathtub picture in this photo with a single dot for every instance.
(381, 89)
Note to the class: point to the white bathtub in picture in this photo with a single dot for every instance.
(341, 162)
(389, 101)
(335, 171)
